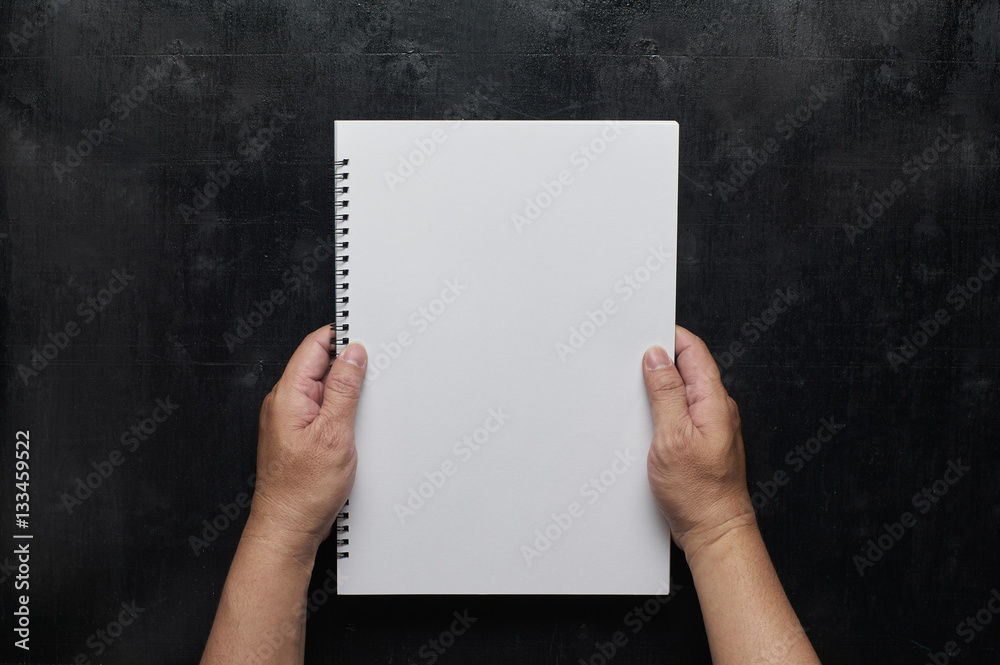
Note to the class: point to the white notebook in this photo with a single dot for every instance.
(506, 278)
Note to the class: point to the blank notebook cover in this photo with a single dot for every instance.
(506, 278)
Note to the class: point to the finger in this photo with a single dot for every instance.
(308, 365)
(343, 385)
(706, 396)
(312, 358)
(666, 390)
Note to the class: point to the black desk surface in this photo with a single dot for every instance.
(793, 116)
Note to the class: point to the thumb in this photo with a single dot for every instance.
(666, 389)
(342, 387)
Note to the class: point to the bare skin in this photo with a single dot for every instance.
(697, 471)
(306, 461)
(305, 470)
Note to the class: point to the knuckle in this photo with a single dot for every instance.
(713, 373)
(717, 391)
(348, 459)
(666, 384)
(347, 386)
(655, 456)
(658, 461)
(265, 408)
(734, 409)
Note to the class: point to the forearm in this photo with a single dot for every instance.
(261, 615)
(747, 614)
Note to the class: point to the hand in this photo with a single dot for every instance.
(306, 457)
(696, 464)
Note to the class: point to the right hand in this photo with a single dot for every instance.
(306, 456)
(696, 464)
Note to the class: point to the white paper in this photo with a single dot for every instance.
(476, 248)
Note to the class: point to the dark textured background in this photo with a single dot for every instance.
(727, 71)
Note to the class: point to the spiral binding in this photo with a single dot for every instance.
(340, 229)
(340, 325)
(342, 529)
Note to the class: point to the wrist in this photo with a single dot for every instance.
(285, 544)
(735, 536)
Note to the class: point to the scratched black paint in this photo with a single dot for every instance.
(729, 72)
